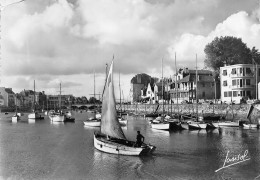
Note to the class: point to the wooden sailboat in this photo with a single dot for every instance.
(16, 117)
(111, 138)
(196, 125)
(93, 121)
(57, 116)
(35, 114)
(160, 123)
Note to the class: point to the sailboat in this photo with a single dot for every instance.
(16, 117)
(35, 114)
(57, 116)
(252, 125)
(197, 125)
(93, 121)
(121, 119)
(111, 138)
(160, 123)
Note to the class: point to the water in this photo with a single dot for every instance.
(42, 150)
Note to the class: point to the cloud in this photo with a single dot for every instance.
(58, 39)
(240, 25)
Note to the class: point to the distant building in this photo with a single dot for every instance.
(238, 81)
(186, 86)
(53, 100)
(7, 97)
(138, 84)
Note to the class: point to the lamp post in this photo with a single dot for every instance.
(2, 7)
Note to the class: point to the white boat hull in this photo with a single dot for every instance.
(15, 118)
(161, 126)
(250, 126)
(34, 116)
(228, 124)
(114, 147)
(92, 123)
(57, 118)
(197, 125)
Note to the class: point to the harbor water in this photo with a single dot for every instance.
(43, 150)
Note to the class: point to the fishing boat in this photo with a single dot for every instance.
(198, 123)
(111, 138)
(57, 116)
(122, 120)
(252, 125)
(16, 117)
(35, 114)
(95, 119)
(160, 123)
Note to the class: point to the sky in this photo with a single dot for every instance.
(68, 41)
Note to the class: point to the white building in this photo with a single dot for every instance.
(238, 81)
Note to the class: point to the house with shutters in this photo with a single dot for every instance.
(239, 82)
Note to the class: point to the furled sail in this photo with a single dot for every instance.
(109, 121)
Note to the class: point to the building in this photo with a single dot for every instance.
(238, 82)
(138, 83)
(53, 100)
(147, 94)
(186, 87)
(7, 97)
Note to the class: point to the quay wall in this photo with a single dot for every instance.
(238, 111)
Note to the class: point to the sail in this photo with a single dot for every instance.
(109, 121)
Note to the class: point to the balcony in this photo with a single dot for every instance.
(241, 75)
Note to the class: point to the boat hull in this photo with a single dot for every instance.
(35, 116)
(120, 148)
(251, 126)
(92, 123)
(160, 126)
(57, 118)
(197, 125)
(16, 118)
(228, 124)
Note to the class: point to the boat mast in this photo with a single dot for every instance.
(176, 88)
(60, 100)
(162, 87)
(34, 95)
(120, 96)
(196, 89)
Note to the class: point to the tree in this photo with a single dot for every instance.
(255, 55)
(226, 50)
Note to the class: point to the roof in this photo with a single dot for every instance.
(200, 72)
(9, 90)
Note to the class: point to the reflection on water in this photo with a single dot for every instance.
(57, 150)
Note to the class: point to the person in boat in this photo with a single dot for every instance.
(139, 139)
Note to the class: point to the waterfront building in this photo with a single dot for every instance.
(147, 93)
(186, 86)
(239, 82)
(7, 97)
(138, 83)
(53, 100)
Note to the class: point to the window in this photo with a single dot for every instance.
(225, 94)
(224, 83)
(238, 82)
(248, 71)
(233, 71)
(247, 81)
(234, 82)
(234, 93)
(229, 93)
(241, 70)
(224, 72)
